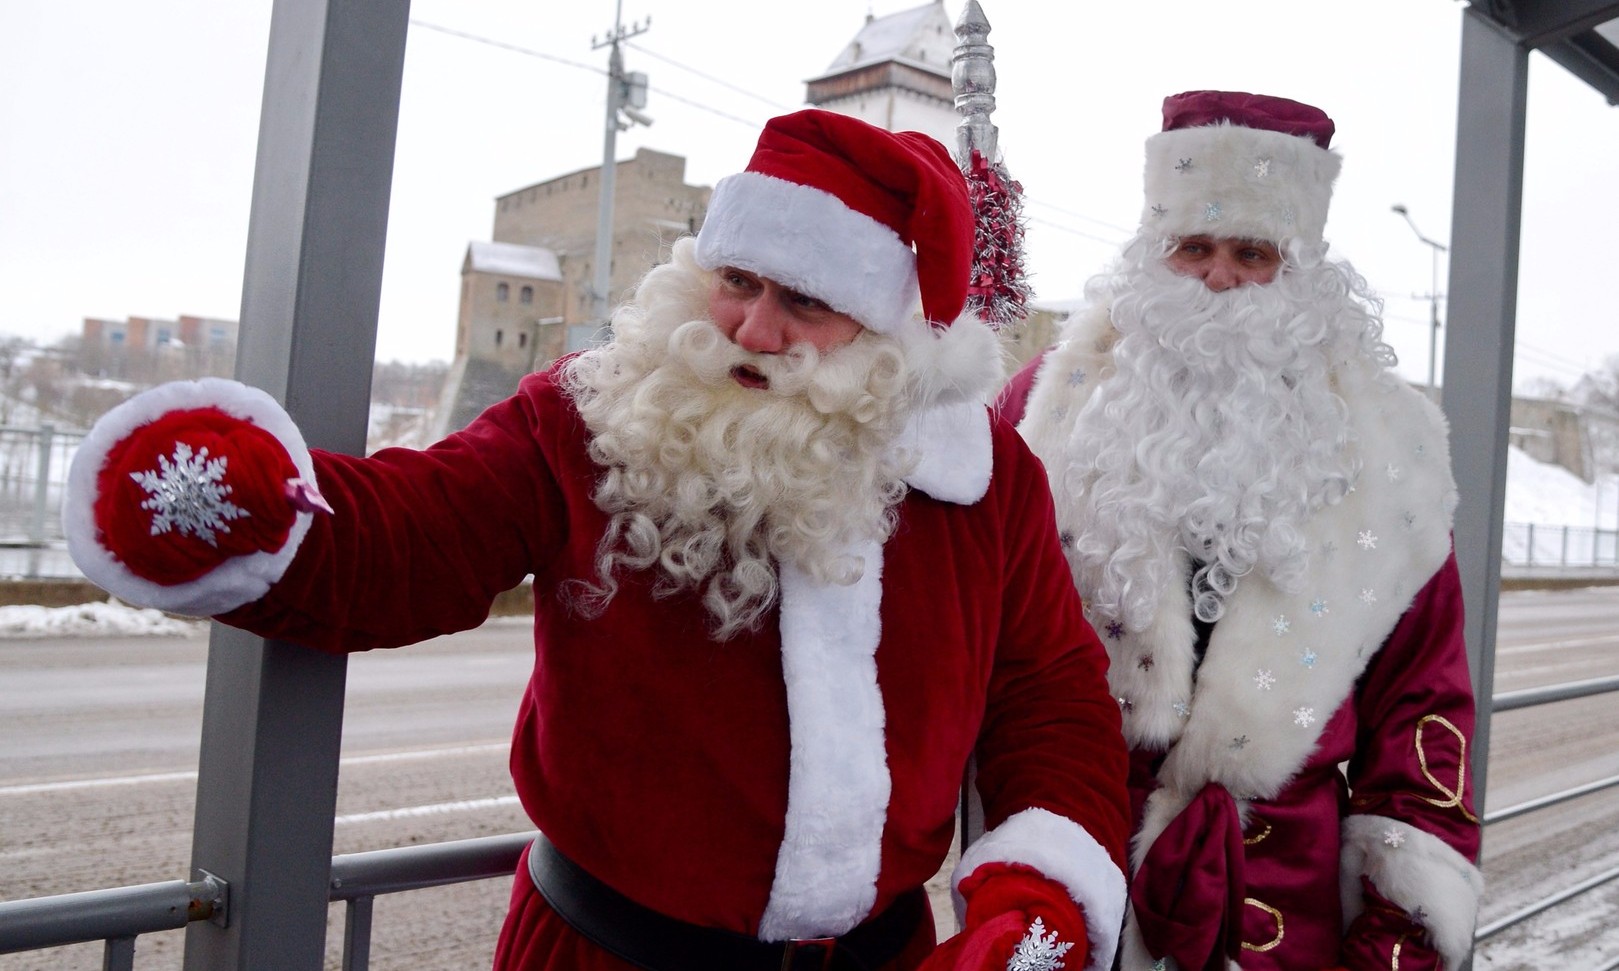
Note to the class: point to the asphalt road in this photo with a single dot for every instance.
(99, 738)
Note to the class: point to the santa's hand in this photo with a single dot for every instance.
(191, 497)
(1016, 919)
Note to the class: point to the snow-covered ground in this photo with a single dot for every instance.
(92, 620)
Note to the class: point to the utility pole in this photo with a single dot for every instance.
(1433, 301)
(626, 95)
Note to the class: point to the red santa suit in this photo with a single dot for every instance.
(787, 783)
(1237, 744)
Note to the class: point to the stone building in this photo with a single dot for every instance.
(521, 291)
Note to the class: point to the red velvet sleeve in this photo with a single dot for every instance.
(1051, 737)
(422, 541)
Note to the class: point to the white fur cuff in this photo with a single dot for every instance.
(1062, 851)
(1419, 873)
(236, 581)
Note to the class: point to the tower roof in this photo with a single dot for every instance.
(922, 37)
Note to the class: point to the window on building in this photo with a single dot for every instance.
(502, 292)
(522, 341)
(499, 333)
(164, 336)
(526, 296)
(116, 337)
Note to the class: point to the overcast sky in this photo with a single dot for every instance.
(129, 134)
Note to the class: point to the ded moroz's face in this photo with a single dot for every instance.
(1223, 263)
(761, 316)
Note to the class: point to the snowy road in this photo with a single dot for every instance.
(98, 749)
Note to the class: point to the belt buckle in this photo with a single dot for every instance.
(808, 954)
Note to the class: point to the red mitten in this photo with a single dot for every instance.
(1016, 920)
(162, 496)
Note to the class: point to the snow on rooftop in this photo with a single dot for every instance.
(905, 35)
(513, 259)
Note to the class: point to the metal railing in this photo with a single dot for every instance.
(1528, 698)
(33, 474)
(120, 915)
(1538, 544)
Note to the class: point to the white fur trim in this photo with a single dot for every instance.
(235, 582)
(953, 372)
(955, 452)
(838, 786)
(1229, 181)
(808, 240)
(961, 362)
(1422, 871)
(1062, 851)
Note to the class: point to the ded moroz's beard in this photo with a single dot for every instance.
(711, 484)
(1217, 433)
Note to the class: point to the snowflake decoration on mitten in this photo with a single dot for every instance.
(1038, 951)
(188, 494)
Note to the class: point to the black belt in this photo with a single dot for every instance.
(658, 942)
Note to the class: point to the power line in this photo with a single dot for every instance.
(505, 46)
(710, 78)
(1079, 215)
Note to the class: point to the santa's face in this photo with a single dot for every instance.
(733, 444)
(761, 316)
(1224, 263)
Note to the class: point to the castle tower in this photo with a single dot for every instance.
(895, 74)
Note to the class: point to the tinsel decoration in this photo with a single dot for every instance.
(997, 291)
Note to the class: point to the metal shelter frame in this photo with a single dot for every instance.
(1486, 213)
(262, 870)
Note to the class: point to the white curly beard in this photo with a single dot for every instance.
(711, 483)
(1216, 434)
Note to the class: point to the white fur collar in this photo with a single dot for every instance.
(838, 784)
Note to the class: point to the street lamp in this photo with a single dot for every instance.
(1433, 300)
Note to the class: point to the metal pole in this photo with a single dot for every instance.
(603, 265)
(581, 336)
(1485, 218)
(1433, 303)
(42, 483)
(1433, 329)
(273, 712)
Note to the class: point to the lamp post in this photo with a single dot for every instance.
(1433, 300)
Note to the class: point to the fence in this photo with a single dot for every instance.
(33, 475)
(1533, 545)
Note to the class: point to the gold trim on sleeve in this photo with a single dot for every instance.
(1453, 797)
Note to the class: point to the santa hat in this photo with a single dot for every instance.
(1238, 165)
(864, 219)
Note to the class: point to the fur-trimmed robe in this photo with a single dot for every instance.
(1365, 667)
(795, 779)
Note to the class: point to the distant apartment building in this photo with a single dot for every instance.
(146, 350)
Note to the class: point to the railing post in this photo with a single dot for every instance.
(273, 712)
(119, 954)
(42, 482)
(357, 934)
